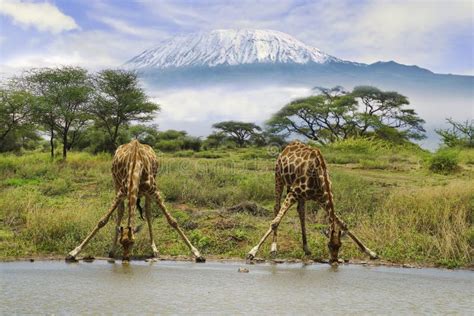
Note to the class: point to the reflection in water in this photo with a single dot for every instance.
(217, 288)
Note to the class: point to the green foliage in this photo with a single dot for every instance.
(459, 134)
(172, 141)
(16, 128)
(444, 161)
(335, 114)
(119, 100)
(168, 145)
(61, 103)
(406, 215)
(240, 132)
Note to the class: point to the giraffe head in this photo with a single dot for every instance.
(334, 243)
(127, 239)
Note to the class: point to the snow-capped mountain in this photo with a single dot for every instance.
(266, 57)
(229, 47)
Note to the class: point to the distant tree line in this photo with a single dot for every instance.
(99, 111)
(72, 107)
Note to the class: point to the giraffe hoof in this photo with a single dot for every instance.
(200, 259)
(373, 255)
(250, 257)
(70, 258)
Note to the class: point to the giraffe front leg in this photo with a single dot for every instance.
(359, 243)
(120, 211)
(72, 254)
(289, 201)
(173, 223)
(149, 220)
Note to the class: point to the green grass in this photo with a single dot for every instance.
(387, 195)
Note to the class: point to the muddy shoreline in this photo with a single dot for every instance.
(370, 263)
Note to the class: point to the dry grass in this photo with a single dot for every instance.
(406, 214)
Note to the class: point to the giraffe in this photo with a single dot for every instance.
(303, 171)
(134, 169)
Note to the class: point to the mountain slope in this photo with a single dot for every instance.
(229, 47)
(263, 57)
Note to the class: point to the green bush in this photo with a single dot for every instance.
(169, 145)
(444, 161)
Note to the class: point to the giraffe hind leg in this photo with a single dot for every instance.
(301, 213)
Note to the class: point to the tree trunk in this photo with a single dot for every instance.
(65, 145)
(51, 142)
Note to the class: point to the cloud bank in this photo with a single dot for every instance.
(42, 16)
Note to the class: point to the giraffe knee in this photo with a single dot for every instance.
(102, 222)
(275, 225)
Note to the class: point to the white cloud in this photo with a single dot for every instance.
(43, 16)
(196, 109)
(127, 28)
(410, 32)
(90, 49)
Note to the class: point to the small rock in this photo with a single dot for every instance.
(32, 260)
(243, 270)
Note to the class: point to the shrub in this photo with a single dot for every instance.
(444, 161)
(169, 145)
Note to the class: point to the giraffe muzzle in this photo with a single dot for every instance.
(127, 239)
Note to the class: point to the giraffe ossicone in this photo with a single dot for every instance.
(134, 170)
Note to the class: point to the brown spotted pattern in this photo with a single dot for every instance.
(301, 169)
(134, 169)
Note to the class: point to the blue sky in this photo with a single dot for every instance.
(438, 35)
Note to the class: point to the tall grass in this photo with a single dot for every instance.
(406, 214)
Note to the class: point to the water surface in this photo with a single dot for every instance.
(54, 287)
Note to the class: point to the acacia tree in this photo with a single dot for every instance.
(459, 133)
(335, 114)
(326, 117)
(15, 111)
(379, 110)
(240, 132)
(62, 95)
(119, 100)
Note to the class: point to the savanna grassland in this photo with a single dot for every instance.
(387, 194)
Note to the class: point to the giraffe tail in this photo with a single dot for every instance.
(140, 209)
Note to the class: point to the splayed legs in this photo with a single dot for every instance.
(118, 199)
(359, 243)
(278, 193)
(150, 228)
(120, 211)
(173, 223)
(289, 201)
